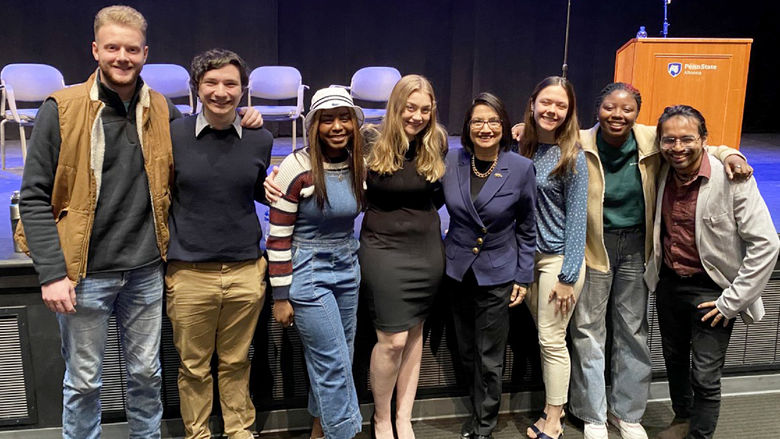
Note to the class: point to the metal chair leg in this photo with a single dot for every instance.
(303, 128)
(2, 140)
(294, 143)
(23, 139)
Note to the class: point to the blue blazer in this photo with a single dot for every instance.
(495, 235)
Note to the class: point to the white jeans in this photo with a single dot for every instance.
(551, 326)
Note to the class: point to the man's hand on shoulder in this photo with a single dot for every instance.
(59, 296)
(250, 117)
(737, 168)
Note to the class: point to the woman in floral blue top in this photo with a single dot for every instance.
(551, 140)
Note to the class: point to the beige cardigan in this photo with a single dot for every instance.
(649, 166)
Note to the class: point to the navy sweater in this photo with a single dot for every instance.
(217, 178)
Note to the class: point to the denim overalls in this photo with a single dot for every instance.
(324, 296)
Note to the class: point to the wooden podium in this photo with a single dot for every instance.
(709, 74)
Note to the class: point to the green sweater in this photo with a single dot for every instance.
(624, 204)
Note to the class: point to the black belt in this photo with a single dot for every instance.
(701, 279)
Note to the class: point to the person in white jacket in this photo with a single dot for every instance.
(714, 249)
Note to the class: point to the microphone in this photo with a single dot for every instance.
(565, 67)
(665, 29)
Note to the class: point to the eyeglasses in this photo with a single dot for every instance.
(477, 124)
(685, 141)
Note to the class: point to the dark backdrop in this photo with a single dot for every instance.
(463, 46)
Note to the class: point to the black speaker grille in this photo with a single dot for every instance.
(13, 386)
(751, 346)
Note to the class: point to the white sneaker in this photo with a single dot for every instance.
(628, 430)
(595, 431)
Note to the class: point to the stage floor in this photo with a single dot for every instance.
(762, 152)
(738, 419)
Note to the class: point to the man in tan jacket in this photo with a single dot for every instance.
(714, 248)
(94, 209)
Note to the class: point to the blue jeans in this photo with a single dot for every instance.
(324, 295)
(136, 297)
(622, 292)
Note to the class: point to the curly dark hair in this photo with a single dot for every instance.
(216, 59)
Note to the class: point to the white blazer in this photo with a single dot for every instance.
(735, 237)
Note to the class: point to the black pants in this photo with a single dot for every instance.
(481, 316)
(693, 350)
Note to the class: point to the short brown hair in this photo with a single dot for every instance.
(120, 14)
(216, 59)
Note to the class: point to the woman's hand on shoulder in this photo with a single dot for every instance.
(272, 190)
(517, 131)
(284, 313)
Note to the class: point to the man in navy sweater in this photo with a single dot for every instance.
(215, 276)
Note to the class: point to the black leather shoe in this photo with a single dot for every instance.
(467, 429)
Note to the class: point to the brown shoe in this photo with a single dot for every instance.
(678, 429)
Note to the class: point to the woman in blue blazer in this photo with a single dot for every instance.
(490, 193)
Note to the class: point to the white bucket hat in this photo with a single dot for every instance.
(331, 97)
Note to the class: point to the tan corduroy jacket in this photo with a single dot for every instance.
(77, 180)
(649, 166)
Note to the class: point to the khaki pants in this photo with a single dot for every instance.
(556, 366)
(215, 305)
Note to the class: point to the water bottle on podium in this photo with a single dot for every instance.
(642, 33)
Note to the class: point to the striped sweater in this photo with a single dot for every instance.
(296, 215)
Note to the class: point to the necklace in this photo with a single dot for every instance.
(684, 178)
(487, 173)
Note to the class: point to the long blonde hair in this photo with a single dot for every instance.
(566, 136)
(387, 155)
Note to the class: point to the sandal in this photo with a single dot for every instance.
(539, 434)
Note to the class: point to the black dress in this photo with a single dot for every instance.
(401, 250)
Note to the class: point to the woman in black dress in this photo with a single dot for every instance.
(400, 245)
(401, 251)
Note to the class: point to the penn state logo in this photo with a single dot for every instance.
(674, 69)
